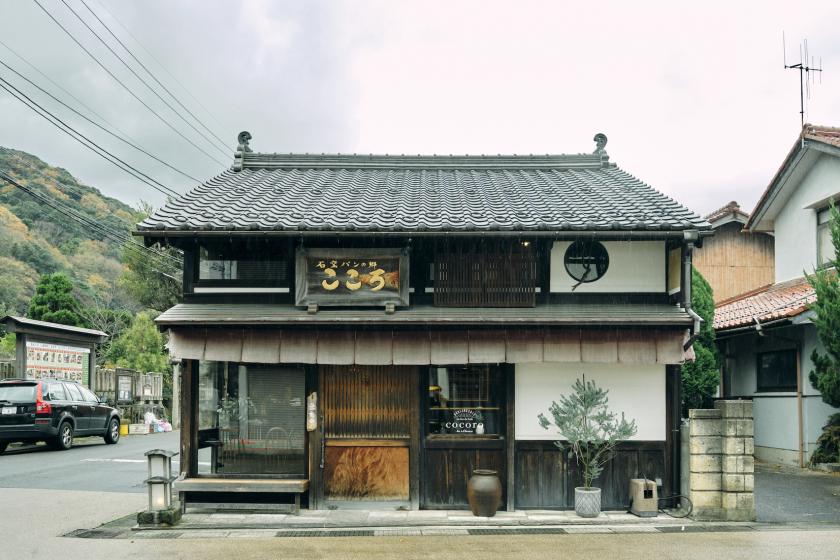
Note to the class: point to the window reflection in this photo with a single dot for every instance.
(464, 400)
(252, 419)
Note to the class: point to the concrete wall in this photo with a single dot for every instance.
(721, 476)
(796, 225)
(635, 266)
(636, 390)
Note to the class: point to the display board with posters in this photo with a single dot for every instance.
(57, 361)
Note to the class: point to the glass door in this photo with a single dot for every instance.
(252, 420)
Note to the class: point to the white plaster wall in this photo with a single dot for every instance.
(776, 422)
(636, 390)
(795, 226)
(635, 266)
(776, 414)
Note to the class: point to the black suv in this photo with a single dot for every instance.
(53, 411)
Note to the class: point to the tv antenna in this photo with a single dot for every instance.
(806, 73)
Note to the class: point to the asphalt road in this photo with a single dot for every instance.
(90, 464)
(784, 494)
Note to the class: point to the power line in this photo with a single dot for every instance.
(100, 228)
(159, 63)
(80, 102)
(94, 123)
(101, 65)
(149, 72)
(142, 81)
(68, 212)
(85, 141)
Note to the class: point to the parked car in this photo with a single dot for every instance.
(53, 411)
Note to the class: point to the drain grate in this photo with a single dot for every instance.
(356, 533)
(92, 534)
(518, 531)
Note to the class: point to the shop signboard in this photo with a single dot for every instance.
(352, 277)
(57, 361)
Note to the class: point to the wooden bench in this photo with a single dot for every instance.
(224, 485)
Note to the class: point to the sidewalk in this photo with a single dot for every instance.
(374, 523)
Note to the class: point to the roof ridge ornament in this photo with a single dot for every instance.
(243, 138)
(241, 149)
(600, 143)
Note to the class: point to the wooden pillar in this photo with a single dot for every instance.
(673, 421)
(510, 435)
(416, 432)
(189, 418)
(316, 488)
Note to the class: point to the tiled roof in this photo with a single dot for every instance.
(731, 209)
(271, 192)
(776, 301)
(825, 134)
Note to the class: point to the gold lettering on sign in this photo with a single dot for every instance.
(329, 285)
(353, 284)
(376, 278)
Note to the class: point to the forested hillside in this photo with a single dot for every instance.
(36, 239)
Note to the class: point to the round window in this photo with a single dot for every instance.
(586, 261)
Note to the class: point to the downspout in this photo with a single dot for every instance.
(691, 238)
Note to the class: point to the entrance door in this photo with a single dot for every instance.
(366, 422)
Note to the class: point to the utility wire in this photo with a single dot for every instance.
(142, 81)
(159, 63)
(102, 229)
(96, 124)
(82, 103)
(149, 72)
(82, 139)
(101, 65)
(141, 249)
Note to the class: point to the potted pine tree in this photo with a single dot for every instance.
(591, 432)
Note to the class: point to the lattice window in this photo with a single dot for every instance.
(485, 273)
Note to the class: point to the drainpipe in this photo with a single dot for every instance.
(691, 237)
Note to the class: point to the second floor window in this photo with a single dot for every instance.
(825, 248)
(240, 265)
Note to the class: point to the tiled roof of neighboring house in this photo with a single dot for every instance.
(730, 213)
(828, 135)
(776, 301)
(294, 192)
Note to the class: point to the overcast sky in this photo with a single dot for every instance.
(692, 95)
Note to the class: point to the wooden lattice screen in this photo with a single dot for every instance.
(485, 273)
(365, 401)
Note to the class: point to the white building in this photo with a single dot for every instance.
(766, 335)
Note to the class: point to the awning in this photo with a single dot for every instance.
(600, 314)
(427, 346)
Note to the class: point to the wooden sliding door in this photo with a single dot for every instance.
(367, 428)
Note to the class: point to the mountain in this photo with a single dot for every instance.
(37, 239)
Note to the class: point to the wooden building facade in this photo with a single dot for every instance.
(735, 261)
(373, 328)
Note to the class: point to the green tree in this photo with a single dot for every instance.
(154, 284)
(54, 301)
(591, 430)
(825, 377)
(701, 377)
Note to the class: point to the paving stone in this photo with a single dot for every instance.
(573, 530)
(204, 534)
(633, 529)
